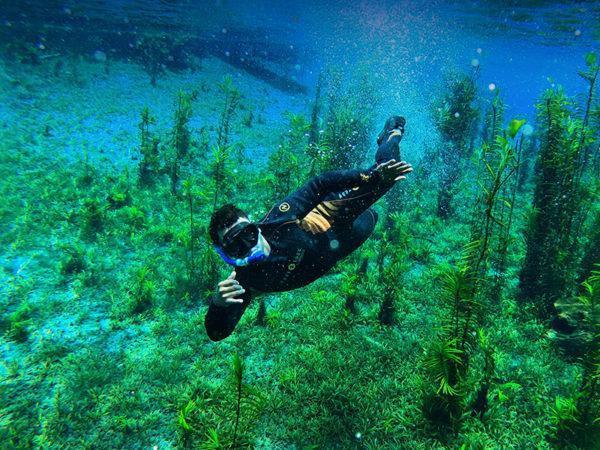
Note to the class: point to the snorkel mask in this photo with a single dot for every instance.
(242, 245)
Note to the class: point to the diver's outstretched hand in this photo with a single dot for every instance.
(392, 171)
(229, 288)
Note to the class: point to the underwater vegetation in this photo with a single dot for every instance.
(470, 319)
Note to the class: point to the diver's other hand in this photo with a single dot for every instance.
(228, 290)
(392, 171)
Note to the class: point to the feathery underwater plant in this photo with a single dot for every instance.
(592, 252)
(349, 289)
(448, 358)
(189, 194)
(221, 168)
(348, 122)
(19, 322)
(238, 373)
(141, 291)
(455, 117)
(504, 209)
(550, 242)
(585, 136)
(580, 422)
(74, 260)
(149, 162)
(232, 101)
(284, 167)
(153, 54)
(181, 133)
(93, 216)
(201, 271)
(180, 138)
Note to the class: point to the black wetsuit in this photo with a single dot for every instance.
(299, 257)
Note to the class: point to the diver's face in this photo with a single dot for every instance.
(242, 241)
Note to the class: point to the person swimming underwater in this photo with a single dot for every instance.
(303, 236)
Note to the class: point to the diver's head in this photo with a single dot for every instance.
(393, 123)
(236, 239)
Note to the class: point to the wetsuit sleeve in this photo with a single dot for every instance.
(220, 321)
(301, 202)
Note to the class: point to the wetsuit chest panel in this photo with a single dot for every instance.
(297, 258)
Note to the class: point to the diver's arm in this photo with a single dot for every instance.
(301, 202)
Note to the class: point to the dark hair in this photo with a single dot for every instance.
(224, 217)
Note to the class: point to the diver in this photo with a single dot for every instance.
(301, 237)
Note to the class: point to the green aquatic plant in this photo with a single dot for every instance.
(201, 267)
(582, 313)
(461, 289)
(19, 323)
(238, 373)
(503, 212)
(547, 270)
(563, 415)
(73, 261)
(349, 289)
(180, 134)
(528, 157)
(591, 254)
(492, 127)
(140, 290)
(285, 165)
(212, 441)
(149, 164)
(118, 198)
(180, 139)
(455, 116)
(232, 101)
(189, 195)
(183, 422)
(586, 138)
(93, 215)
(153, 52)
(222, 169)
(134, 217)
(348, 122)
(480, 404)
(88, 174)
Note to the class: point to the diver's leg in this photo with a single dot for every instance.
(350, 237)
(344, 207)
(354, 202)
